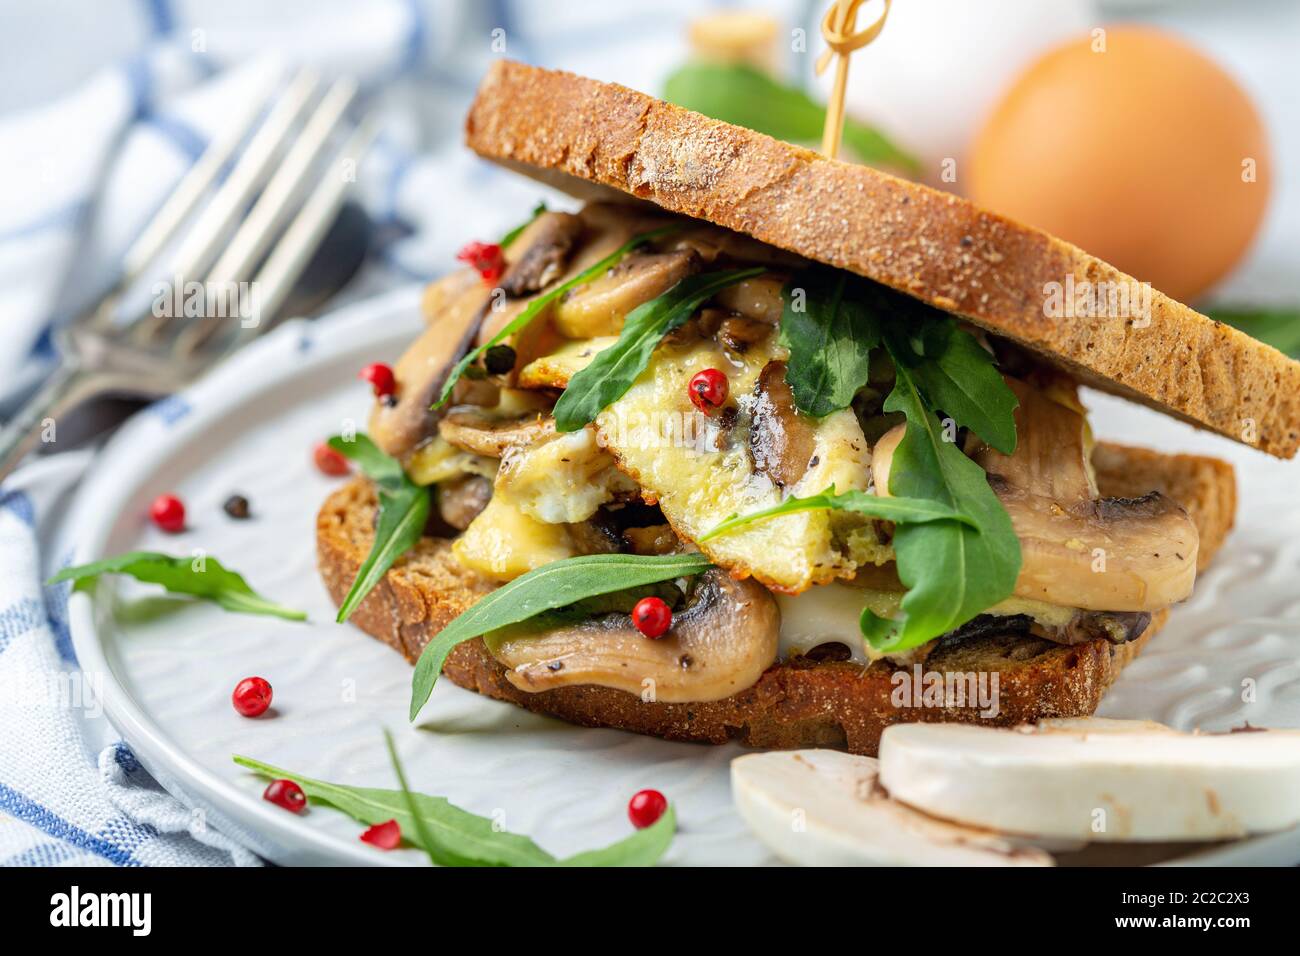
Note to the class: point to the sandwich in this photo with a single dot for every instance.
(751, 443)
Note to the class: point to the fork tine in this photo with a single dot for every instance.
(189, 190)
(199, 247)
(227, 205)
(285, 264)
(265, 218)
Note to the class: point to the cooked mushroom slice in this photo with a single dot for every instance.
(420, 374)
(1104, 554)
(1118, 627)
(1099, 554)
(1116, 554)
(598, 307)
(540, 253)
(781, 440)
(738, 333)
(713, 243)
(719, 645)
(479, 431)
(758, 298)
(462, 499)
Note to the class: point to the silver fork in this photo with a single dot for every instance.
(151, 353)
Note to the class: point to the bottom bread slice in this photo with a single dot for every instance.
(797, 702)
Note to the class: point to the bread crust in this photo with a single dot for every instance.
(582, 135)
(796, 703)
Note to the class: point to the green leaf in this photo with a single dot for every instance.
(540, 303)
(830, 332)
(1279, 328)
(957, 374)
(642, 848)
(897, 510)
(423, 837)
(515, 233)
(403, 511)
(455, 837)
(952, 571)
(742, 95)
(200, 576)
(613, 370)
(547, 588)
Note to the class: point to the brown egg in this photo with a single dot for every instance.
(1146, 154)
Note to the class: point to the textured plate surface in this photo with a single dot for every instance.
(1232, 654)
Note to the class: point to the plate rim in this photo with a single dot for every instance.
(265, 829)
(330, 336)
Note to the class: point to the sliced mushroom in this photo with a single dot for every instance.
(720, 644)
(598, 307)
(738, 333)
(479, 431)
(461, 500)
(421, 372)
(1117, 627)
(758, 298)
(1081, 551)
(781, 440)
(1113, 554)
(713, 243)
(540, 253)
(1103, 554)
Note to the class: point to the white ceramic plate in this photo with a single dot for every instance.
(167, 667)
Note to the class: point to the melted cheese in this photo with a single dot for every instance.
(539, 491)
(830, 614)
(503, 542)
(701, 474)
(563, 479)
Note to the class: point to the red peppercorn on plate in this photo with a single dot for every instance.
(165, 666)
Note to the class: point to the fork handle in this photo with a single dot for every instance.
(69, 385)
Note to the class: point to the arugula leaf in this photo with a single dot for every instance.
(423, 837)
(547, 588)
(642, 848)
(201, 577)
(897, 510)
(540, 304)
(957, 374)
(515, 233)
(403, 510)
(830, 339)
(613, 370)
(952, 571)
(740, 94)
(1279, 328)
(455, 837)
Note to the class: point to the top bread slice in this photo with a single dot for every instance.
(588, 137)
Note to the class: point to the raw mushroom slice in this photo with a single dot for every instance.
(719, 645)
(1103, 782)
(824, 808)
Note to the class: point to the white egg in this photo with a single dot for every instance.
(938, 66)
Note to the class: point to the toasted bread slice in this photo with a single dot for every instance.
(796, 703)
(590, 138)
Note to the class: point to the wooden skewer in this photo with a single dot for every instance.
(837, 30)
